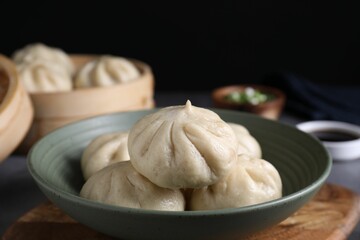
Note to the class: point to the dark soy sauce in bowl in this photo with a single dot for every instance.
(332, 135)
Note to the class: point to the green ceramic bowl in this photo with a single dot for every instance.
(302, 161)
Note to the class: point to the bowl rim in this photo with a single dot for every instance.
(315, 185)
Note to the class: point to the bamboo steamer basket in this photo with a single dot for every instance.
(56, 109)
(16, 111)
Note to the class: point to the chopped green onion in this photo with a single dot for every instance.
(249, 96)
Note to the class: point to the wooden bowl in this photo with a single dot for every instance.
(270, 109)
(16, 111)
(53, 110)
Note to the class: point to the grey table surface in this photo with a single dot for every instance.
(19, 194)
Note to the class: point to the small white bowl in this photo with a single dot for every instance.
(341, 139)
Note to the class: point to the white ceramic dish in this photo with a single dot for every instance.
(341, 139)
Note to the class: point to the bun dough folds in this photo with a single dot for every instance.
(119, 184)
(247, 143)
(39, 51)
(106, 71)
(182, 147)
(251, 181)
(42, 76)
(104, 150)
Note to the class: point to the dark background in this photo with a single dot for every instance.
(210, 43)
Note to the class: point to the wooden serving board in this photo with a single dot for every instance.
(331, 215)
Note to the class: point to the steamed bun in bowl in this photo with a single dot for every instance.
(121, 185)
(104, 150)
(182, 147)
(247, 143)
(250, 182)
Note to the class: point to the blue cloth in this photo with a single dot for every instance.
(318, 101)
